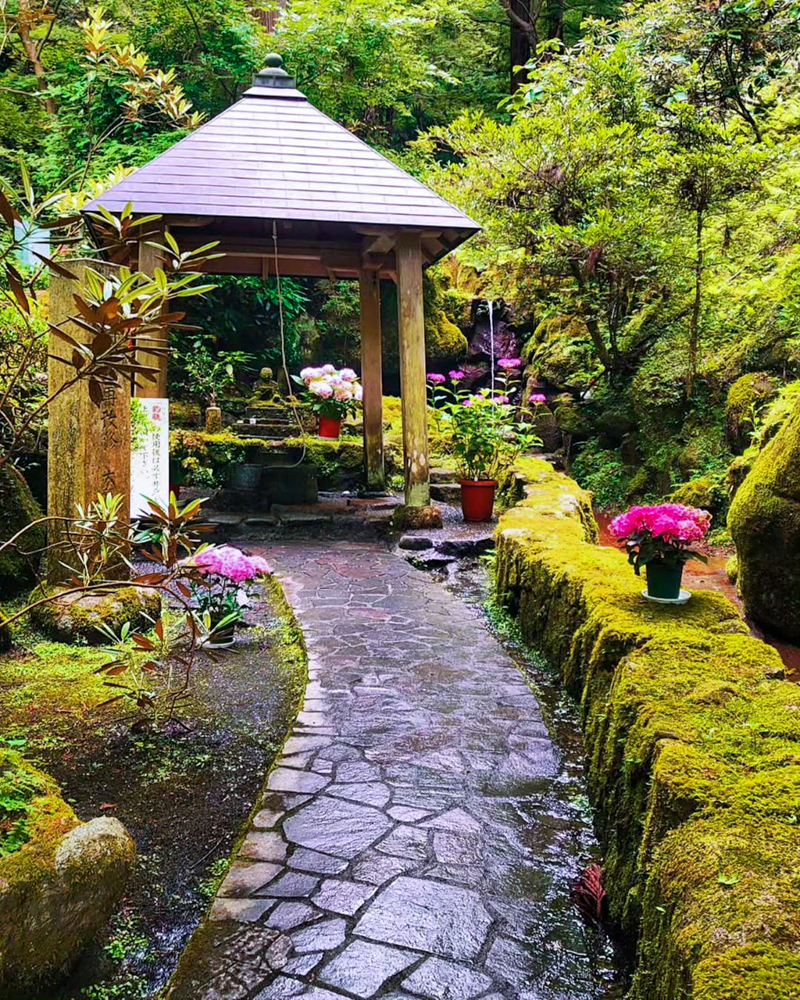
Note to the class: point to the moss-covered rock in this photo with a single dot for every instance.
(18, 508)
(704, 492)
(692, 740)
(745, 397)
(58, 889)
(559, 351)
(571, 419)
(71, 615)
(764, 521)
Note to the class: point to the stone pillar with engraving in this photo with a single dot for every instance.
(89, 445)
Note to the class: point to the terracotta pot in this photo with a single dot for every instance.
(664, 579)
(330, 427)
(477, 499)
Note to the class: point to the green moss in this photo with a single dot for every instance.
(745, 397)
(444, 341)
(720, 884)
(704, 492)
(559, 351)
(20, 784)
(764, 521)
(78, 615)
(18, 509)
(767, 973)
(691, 740)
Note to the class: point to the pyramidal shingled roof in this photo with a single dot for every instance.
(272, 155)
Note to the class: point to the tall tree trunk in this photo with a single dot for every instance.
(522, 15)
(694, 322)
(555, 19)
(24, 21)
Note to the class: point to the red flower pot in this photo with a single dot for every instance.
(329, 427)
(477, 498)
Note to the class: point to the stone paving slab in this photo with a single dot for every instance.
(413, 840)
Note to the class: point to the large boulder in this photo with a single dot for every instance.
(77, 615)
(745, 396)
(764, 521)
(18, 509)
(57, 890)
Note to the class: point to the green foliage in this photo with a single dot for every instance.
(385, 68)
(18, 787)
(242, 315)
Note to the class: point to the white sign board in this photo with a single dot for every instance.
(149, 453)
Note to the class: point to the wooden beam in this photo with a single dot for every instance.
(372, 378)
(149, 260)
(411, 329)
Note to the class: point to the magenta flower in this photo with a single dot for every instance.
(457, 376)
(509, 363)
(538, 397)
(435, 378)
(230, 563)
(671, 522)
(500, 400)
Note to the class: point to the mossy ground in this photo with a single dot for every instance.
(693, 743)
(183, 794)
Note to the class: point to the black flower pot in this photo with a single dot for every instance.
(664, 579)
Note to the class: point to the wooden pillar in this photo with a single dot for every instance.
(372, 378)
(89, 446)
(411, 330)
(149, 260)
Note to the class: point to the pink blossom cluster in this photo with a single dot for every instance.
(231, 563)
(538, 397)
(328, 383)
(509, 363)
(457, 375)
(672, 522)
(435, 378)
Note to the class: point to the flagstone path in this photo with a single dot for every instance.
(414, 839)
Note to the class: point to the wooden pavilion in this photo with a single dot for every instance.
(286, 190)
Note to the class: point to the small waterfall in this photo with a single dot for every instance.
(491, 340)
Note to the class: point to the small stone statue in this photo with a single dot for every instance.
(266, 388)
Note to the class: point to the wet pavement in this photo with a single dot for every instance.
(418, 836)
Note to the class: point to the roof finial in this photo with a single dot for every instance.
(273, 74)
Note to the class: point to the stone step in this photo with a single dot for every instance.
(449, 493)
(439, 476)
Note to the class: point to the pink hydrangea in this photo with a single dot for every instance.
(672, 522)
(231, 563)
(500, 400)
(347, 374)
(435, 378)
(321, 387)
(509, 363)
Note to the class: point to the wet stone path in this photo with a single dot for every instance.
(415, 830)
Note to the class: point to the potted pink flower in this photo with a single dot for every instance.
(484, 434)
(662, 538)
(332, 394)
(230, 582)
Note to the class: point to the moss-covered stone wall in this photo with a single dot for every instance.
(693, 745)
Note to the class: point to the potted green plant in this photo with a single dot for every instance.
(483, 432)
(230, 577)
(662, 538)
(332, 395)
